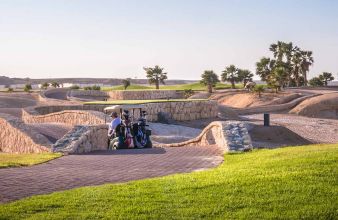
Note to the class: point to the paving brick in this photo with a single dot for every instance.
(103, 167)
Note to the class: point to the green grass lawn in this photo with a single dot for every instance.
(17, 160)
(286, 183)
(193, 86)
(136, 102)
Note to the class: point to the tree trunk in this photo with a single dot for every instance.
(297, 81)
(233, 84)
(157, 84)
(210, 88)
(244, 83)
(305, 79)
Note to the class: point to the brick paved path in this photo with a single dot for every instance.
(103, 167)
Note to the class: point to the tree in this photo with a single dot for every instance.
(231, 74)
(126, 83)
(27, 88)
(289, 66)
(245, 76)
(306, 62)
(264, 68)
(296, 62)
(209, 79)
(75, 87)
(316, 81)
(325, 77)
(55, 84)
(259, 89)
(155, 75)
(44, 85)
(96, 87)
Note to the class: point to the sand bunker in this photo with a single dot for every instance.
(274, 136)
(52, 131)
(244, 100)
(165, 133)
(323, 106)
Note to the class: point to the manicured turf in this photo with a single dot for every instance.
(193, 86)
(124, 102)
(287, 183)
(17, 160)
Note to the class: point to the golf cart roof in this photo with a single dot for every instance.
(116, 108)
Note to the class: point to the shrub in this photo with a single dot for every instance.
(75, 87)
(87, 88)
(27, 88)
(10, 89)
(44, 85)
(187, 93)
(259, 89)
(95, 87)
(316, 81)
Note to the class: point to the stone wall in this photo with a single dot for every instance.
(71, 117)
(16, 137)
(230, 136)
(83, 139)
(144, 95)
(179, 111)
(128, 94)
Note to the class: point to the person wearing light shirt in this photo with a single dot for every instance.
(114, 123)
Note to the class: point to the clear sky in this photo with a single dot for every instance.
(97, 38)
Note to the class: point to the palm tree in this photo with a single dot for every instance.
(306, 62)
(259, 89)
(245, 76)
(55, 84)
(155, 75)
(209, 78)
(230, 74)
(264, 68)
(126, 83)
(296, 61)
(325, 77)
(44, 85)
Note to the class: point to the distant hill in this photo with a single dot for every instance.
(107, 81)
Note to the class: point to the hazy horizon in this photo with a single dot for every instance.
(114, 39)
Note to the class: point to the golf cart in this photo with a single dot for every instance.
(133, 132)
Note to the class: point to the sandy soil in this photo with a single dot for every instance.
(53, 131)
(165, 133)
(323, 106)
(16, 102)
(315, 130)
(244, 100)
(275, 136)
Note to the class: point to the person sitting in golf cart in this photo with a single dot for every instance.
(126, 132)
(116, 121)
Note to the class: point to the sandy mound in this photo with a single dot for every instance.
(58, 93)
(323, 106)
(275, 136)
(244, 100)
